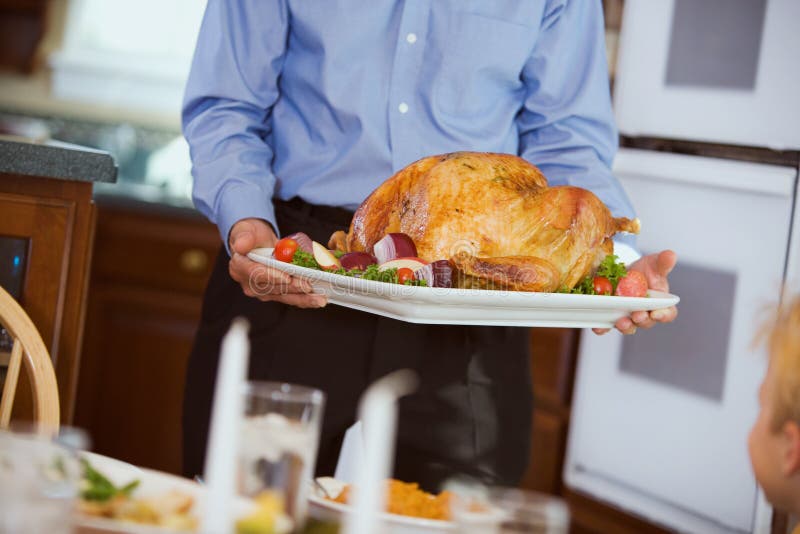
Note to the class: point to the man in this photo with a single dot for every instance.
(296, 110)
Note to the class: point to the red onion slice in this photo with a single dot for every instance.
(303, 242)
(436, 274)
(393, 246)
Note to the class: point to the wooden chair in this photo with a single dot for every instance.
(29, 348)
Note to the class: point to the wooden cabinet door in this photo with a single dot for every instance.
(149, 272)
(553, 352)
(56, 218)
(137, 344)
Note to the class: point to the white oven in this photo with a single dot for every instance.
(660, 420)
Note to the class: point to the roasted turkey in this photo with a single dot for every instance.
(494, 217)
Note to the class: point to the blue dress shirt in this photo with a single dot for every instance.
(325, 99)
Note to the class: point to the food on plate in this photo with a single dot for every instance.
(356, 264)
(394, 245)
(96, 487)
(267, 518)
(406, 498)
(285, 249)
(437, 273)
(357, 260)
(604, 280)
(602, 285)
(633, 284)
(612, 278)
(494, 217)
(404, 274)
(101, 498)
(407, 263)
(324, 257)
(171, 510)
(304, 242)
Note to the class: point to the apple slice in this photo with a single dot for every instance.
(410, 263)
(325, 258)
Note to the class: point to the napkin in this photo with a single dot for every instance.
(350, 454)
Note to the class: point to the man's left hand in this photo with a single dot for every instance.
(656, 268)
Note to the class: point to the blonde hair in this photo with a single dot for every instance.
(783, 343)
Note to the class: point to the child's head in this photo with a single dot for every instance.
(775, 437)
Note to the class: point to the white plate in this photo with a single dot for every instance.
(152, 483)
(434, 305)
(324, 509)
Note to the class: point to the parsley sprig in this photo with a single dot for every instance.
(610, 268)
(97, 487)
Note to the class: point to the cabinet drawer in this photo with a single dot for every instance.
(155, 250)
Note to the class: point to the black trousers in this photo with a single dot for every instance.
(471, 415)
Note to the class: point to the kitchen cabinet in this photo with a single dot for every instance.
(47, 218)
(22, 26)
(148, 276)
(552, 366)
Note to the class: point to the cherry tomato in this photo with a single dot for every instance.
(404, 274)
(285, 249)
(602, 285)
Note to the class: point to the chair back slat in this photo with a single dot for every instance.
(30, 350)
(10, 384)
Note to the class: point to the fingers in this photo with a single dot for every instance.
(303, 300)
(243, 238)
(263, 280)
(641, 319)
(244, 270)
(666, 315)
(248, 234)
(626, 326)
(266, 283)
(666, 262)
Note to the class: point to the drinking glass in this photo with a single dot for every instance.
(40, 473)
(500, 510)
(279, 443)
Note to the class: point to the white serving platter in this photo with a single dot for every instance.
(482, 307)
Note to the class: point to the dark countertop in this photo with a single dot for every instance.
(53, 159)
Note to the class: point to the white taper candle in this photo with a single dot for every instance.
(378, 414)
(224, 434)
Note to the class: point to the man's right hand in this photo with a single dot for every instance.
(260, 281)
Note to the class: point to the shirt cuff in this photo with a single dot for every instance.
(243, 201)
(626, 253)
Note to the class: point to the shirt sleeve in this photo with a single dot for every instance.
(232, 86)
(566, 125)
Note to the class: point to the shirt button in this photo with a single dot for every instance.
(411, 38)
(403, 107)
